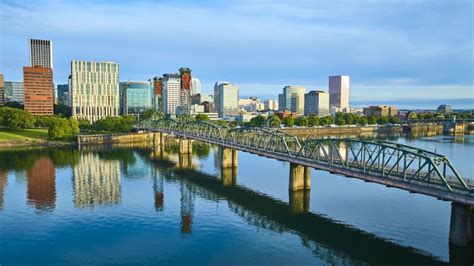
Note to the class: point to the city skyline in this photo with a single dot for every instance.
(390, 58)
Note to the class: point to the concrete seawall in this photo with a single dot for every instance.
(114, 138)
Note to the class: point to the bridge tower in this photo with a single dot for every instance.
(299, 188)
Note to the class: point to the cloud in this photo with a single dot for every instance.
(252, 42)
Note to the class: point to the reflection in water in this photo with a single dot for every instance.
(42, 184)
(187, 206)
(3, 184)
(96, 181)
(158, 189)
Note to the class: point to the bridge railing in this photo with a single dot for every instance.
(380, 158)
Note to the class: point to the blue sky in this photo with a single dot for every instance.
(390, 49)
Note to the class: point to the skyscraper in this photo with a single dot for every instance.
(2, 91)
(316, 102)
(339, 92)
(226, 99)
(63, 94)
(39, 90)
(135, 97)
(41, 53)
(195, 86)
(271, 104)
(14, 92)
(292, 99)
(171, 85)
(94, 89)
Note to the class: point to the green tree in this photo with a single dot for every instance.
(412, 116)
(62, 110)
(84, 124)
(301, 121)
(348, 118)
(394, 120)
(15, 105)
(340, 121)
(288, 121)
(372, 120)
(202, 117)
(382, 120)
(60, 128)
(313, 120)
(15, 118)
(326, 121)
(74, 126)
(258, 121)
(151, 113)
(274, 121)
(363, 121)
(44, 120)
(222, 123)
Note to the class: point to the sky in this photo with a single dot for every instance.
(392, 50)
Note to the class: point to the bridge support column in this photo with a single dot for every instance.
(300, 177)
(228, 157)
(185, 146)
(462, 224)
(185, 160)
(229, 176)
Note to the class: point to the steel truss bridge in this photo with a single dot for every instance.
(390, 164)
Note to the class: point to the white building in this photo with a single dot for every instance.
(41, 53)
(339, 92)
(316, 102)
(251, 104)
(195, 86)
(271, 104)
(94, 89)
(226, 99)
(171, 93)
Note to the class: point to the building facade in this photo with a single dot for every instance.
(339, 92)
(316, 102)
(445, 109)
(226, 99)
(292, 99)
(171, 93)
(381, 110)
(94, 89)
(135, 97)
(2, 91)
(195, 86)
(41, 53)
(14, 92)
(271, 105)
(63, 93)
(39, 90)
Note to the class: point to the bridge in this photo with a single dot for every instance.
(390, 164)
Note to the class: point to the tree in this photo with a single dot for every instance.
(258, 121)
(44, 120)
(150, 113)
(74, 125)
(327, 120)
(412, 116)
(222, 123)
(313, 120)
(372, 120)
(202, 117)
(340, 121)
(394, 120)
(363, 121)
(62, 110)
(288, 121)
(15, 118)
(84, 124)
(59, 129)
(15, 105)
(274, 121)
(348, 118)
(382, 120)
(301, 121)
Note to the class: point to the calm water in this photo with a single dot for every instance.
(135, 206)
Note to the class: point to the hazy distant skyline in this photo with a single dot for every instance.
(390, 49)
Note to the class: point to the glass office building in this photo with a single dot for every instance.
(135, 97)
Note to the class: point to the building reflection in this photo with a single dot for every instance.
(158, 189)
(3, 185)
(42, 184)
(96, 181)
(187, 207)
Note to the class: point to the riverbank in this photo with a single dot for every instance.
(343, 130)
(37, 137)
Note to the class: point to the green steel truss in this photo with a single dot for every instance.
(380, 158)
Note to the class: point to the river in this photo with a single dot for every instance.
(126, 205)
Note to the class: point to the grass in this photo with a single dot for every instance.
(23, 134)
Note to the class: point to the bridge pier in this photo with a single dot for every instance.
(461, 230)
(185, 146)
(229, 176)
(299, 201)
(300, 177)
(228, 157)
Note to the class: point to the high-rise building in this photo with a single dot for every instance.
(339, 92)
(171, 93)
(2, 91)
(226, 99)
(41, 53)
(195, 86)
(316, 102)
(271, 104)
(63, 93)
(14, 92)
(135, 97)
(292, 99)
(94, 89)
(39, 90)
